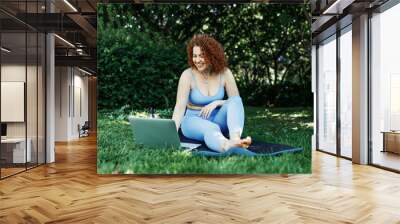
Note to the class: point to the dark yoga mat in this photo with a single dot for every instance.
(257, 148)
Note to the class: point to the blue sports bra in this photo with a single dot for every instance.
(199, 99)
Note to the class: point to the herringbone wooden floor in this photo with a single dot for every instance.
(70, 191)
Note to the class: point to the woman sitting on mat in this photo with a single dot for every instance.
(201, 92)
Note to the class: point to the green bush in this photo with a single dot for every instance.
(141, 51)
(284, 95)
(137, 70)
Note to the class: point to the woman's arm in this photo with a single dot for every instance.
(181, 98)
(230, 84)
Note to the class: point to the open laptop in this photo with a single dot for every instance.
(157, 133)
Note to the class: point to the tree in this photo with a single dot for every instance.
(268, 45)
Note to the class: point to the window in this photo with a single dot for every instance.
(385, 86)
(22, 66)
(346, 92)
(327, 95)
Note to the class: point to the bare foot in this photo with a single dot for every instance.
(243, 143)
(246, 142)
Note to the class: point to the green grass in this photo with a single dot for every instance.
(117, 152)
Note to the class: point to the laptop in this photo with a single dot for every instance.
(158, 133)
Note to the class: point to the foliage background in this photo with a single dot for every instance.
(142, 51)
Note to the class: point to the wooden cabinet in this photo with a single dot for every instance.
(391, 141)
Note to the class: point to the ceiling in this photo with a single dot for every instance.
(328, 16)
(74, 22)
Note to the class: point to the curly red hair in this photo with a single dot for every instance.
(213, 52)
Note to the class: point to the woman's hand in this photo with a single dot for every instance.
(206, 111)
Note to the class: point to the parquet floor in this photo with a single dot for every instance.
(9, 171)
(70, 191)
(387, 159)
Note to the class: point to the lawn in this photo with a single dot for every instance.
(117, 153)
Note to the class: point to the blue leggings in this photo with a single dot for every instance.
(227, 119)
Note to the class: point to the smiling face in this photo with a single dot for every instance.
(199, 59)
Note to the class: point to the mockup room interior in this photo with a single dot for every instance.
(46, 82)
(48, 93)
(356, 82)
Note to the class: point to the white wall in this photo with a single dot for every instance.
(62, 81)
(33, 127)
(81, 103)
(71, 94)
(14, 72)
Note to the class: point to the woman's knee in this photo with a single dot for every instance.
(194, 128)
